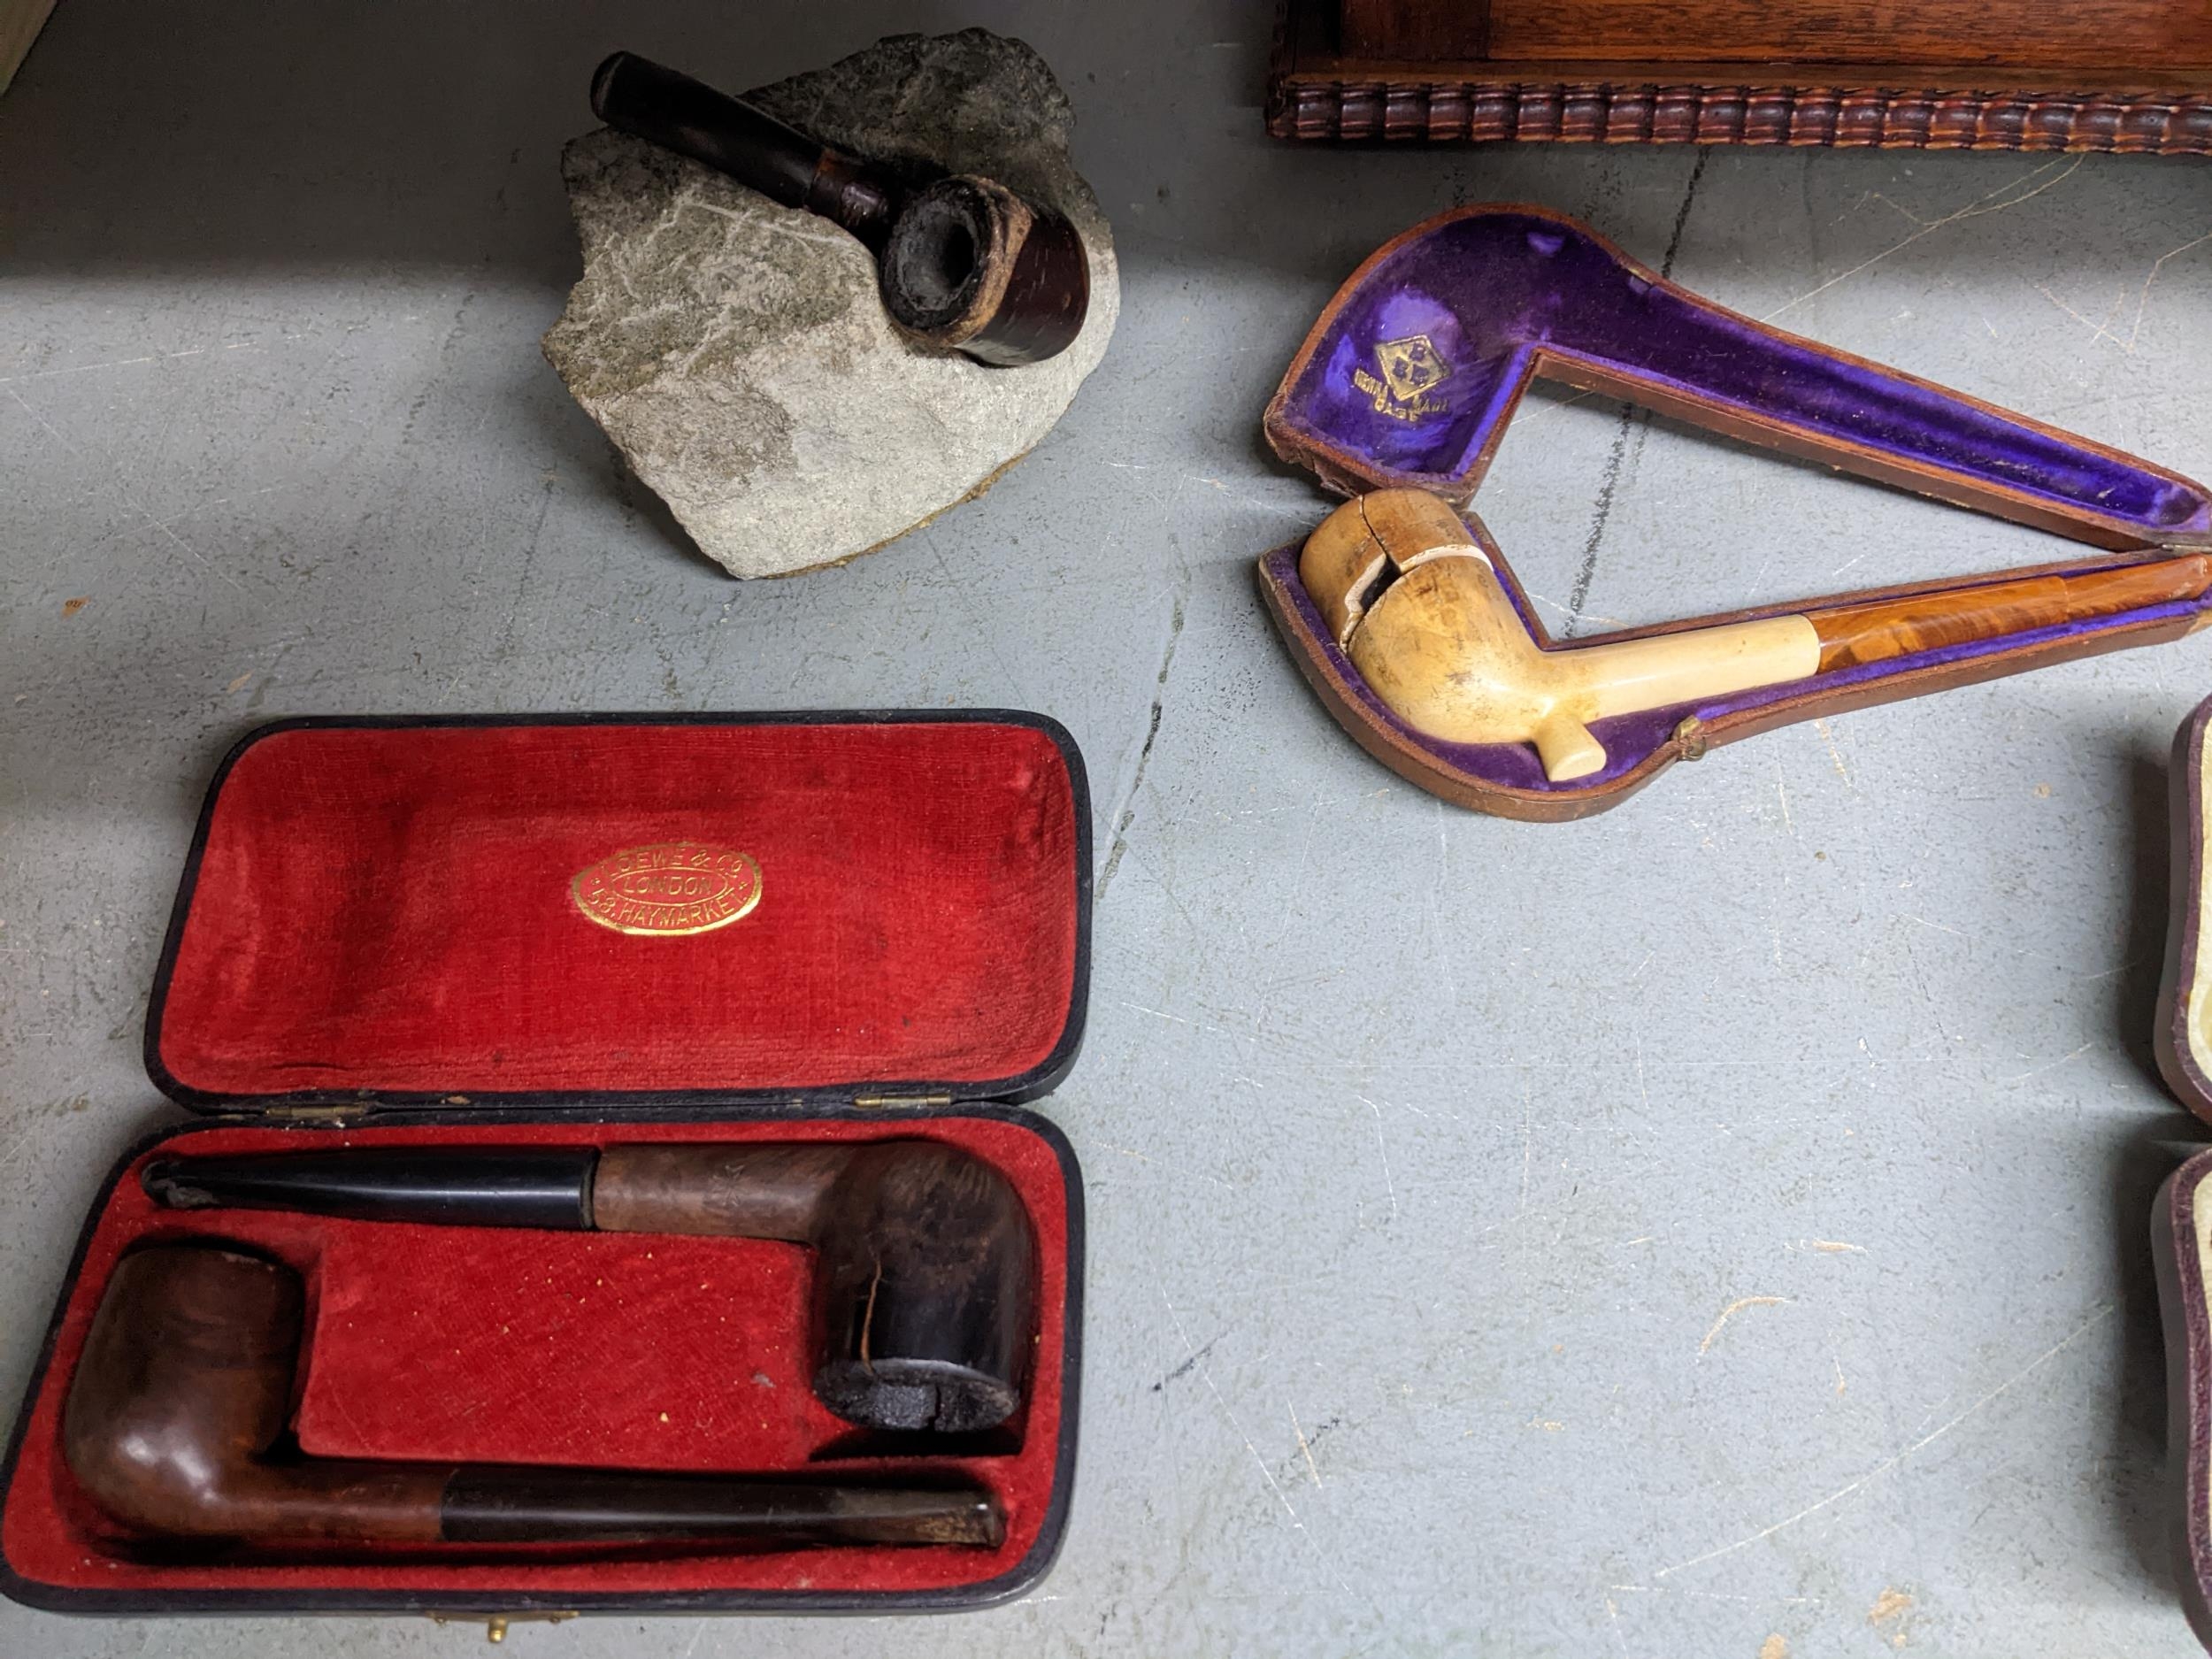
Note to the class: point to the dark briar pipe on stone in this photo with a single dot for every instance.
(176, 1425)
(963, 264)
(925, 1273)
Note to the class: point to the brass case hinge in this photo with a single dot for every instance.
(496, 1624)
(903, 1099)
(313, 1114)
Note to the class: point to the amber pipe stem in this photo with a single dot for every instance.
(1851, 635)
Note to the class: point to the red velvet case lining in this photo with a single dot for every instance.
(624, 1351)
(388, 909)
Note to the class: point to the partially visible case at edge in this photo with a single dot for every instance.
(2181, 1222)
(2181, 1247)
(2184, 1040)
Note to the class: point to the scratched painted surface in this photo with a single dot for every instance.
(1716, 1229)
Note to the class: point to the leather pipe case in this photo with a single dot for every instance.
(555, 951)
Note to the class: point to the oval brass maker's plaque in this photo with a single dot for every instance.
(668, 889)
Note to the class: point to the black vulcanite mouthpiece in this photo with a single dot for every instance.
(525, 1186)
(650, 101)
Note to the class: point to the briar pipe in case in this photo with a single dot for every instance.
(963, 263)
(924, 1274)
(175, 1426)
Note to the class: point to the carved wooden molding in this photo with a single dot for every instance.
(1595, 111)
(1314, 92)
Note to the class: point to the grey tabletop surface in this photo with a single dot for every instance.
(1717, 1228)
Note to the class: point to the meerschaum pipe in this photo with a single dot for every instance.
(1416, 606)
(963, 263)
(176, 1421)
(925, 1260)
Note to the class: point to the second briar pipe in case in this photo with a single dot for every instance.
(924, 1281)
(176, 1425)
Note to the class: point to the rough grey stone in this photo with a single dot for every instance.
(737, 353)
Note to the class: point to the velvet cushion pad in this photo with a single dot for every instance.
(389, 909)
(623, 1351)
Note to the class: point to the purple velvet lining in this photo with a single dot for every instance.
(1632, 739)
(1427, 358)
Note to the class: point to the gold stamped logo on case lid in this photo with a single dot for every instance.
(1412, 368)
(668, 889)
